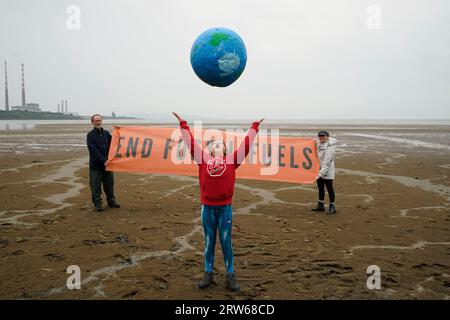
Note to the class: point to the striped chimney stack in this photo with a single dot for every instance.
(23, 86)
(6, 88)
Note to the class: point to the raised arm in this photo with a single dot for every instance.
(241, 153)
(194, 148)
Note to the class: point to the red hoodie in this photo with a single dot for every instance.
(217, 175)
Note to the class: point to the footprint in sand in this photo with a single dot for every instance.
(160, 283)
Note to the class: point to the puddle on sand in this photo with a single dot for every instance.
(12, 126)
(417, 245)
(404, 141)
(423, 184)
(64, 175)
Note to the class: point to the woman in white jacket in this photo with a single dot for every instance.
(326, 151)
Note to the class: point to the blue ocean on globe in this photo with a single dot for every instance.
(218, 57)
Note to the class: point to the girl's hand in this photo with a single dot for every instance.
(178, 116)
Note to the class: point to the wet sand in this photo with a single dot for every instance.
(393, 198)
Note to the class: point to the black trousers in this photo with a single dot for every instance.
(96, 179)
(322, 183)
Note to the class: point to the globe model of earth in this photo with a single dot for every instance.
(218, 57)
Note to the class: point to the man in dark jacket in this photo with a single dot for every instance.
(98, 142)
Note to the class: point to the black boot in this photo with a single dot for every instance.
(320, 207)
(114, 205)
(98, 208)
(332, 209)
(232, 283)
(206, 281)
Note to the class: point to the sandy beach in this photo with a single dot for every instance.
(393, 200)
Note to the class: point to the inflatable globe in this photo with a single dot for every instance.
(218, 57)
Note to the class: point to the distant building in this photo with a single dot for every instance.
(32, 107)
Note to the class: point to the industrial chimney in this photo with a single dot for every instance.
(67, 110)
(23, 87)
(58, 107)
(6, 88)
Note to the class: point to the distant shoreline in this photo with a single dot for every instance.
(45, 115)
(36, 118)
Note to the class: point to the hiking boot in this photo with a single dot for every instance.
(231, 282)
(98, 208)
(206, 281)
(332, 209)
(320, 207)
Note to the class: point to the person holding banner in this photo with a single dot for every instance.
(217, 174)
(98, 143)
(326, 152)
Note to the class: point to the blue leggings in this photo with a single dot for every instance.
(213, 218)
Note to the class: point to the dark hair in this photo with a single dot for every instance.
(323, 133)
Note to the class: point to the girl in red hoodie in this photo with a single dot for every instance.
(217, 175)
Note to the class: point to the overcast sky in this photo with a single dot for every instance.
(306, 59)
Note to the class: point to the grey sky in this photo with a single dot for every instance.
(306, 59)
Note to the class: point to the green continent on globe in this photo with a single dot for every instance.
(217, 38)
(218, 56)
